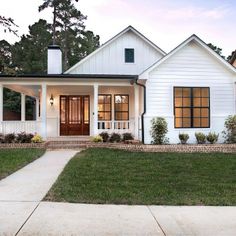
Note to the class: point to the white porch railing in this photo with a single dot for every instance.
(116, 126)
(7, 127)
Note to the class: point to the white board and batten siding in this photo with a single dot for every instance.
(111, 59)
(191, 66)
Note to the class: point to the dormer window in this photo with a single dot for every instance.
(129, 55)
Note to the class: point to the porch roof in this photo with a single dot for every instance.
(68, 76)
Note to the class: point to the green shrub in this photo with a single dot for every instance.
(159, 129)
(105, 136)
(115, 138)
(37, 139)
(127, 136)
(24, 137)
(9, 138)
(97, 139)
(183, 138)
(212, 137)
(230, 129)
(201, 138)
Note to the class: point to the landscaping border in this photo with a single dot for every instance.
(187, 148)
(23, 145)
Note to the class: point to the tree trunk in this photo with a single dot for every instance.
(54, 26)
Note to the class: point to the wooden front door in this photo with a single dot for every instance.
(74, 115)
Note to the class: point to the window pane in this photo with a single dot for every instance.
(121, 107)
(186, 122)
(196, 122)
(178, 92)
(104, 107)
(205, 102)
(204, 112)
(204, 122)
(186, 102)
(178, 112)
(197, 102)
(197, 92)
(196, 112)
(186, 112)
(129, 55)
(178, 102)
(178, 122)
(205, 92)
(186, 92)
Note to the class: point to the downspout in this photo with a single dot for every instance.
(144, 106)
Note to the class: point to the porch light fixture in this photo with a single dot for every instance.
(51, 100)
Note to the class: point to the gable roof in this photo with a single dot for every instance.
(129, 28)
(144, 74)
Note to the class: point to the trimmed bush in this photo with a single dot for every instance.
(105, 136)
(200, 137)
(24, 137)
(127, 136)
(159, 129)
(212, 137)
(115, 138)
(37, 139)
(183, 138)
(230, 129)
(97, 139)
(10, 138)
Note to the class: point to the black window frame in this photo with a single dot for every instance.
(127, 59)
(115, 112)
(105, 111)
(192, 107)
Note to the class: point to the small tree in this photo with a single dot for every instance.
(159, 130)
(230, 129)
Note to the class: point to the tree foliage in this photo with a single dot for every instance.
(8, 24)
(218, 50)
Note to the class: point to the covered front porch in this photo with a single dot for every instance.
(71, 107)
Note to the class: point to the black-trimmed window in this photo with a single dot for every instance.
(104, 107)
(192, 107)
(121, 107)
(129, 55)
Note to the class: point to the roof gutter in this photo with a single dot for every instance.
(144, 107)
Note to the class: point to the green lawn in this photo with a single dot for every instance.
(14, 159)
(122, 177)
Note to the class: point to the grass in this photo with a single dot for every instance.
(14, 159)
(122, 177)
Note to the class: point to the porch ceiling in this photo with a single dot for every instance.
(29, 90)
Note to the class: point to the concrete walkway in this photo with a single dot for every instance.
(22, 211)
(21, 192)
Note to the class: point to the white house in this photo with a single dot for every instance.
(122, 85)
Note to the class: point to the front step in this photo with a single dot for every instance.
(68, 144)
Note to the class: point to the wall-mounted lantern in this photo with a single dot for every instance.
(51, 100)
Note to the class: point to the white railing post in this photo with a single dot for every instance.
(44, 111)
(95, 109)
(136, 111)
(37, 109)
(22, 107)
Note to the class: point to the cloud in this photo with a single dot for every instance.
(192, 12)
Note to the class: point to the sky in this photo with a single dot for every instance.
(165, 22)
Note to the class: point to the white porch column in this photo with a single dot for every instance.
(37, 109)
(44, 111)
(136, 111)
(95, 109)
(1, 103)
(22, 107)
